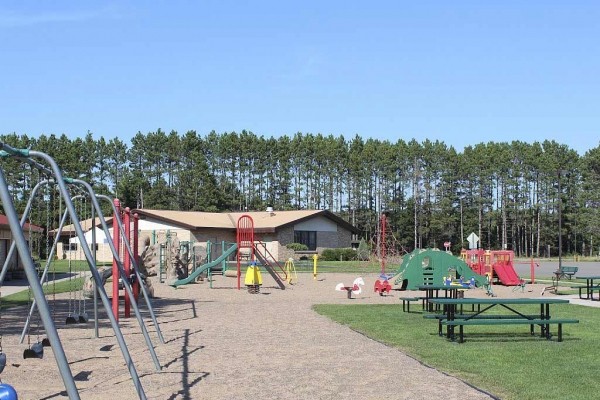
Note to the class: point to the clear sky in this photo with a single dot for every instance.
(463, 72)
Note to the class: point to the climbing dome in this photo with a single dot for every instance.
(431, 266)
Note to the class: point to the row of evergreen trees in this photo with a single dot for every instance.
(509, 194)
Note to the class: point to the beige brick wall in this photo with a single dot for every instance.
(341, 238)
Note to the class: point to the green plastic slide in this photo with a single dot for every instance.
(192, 277)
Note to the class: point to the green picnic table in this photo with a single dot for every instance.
(451, 319)
(589, 286)
(439, 292)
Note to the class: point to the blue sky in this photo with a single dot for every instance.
(463, 72)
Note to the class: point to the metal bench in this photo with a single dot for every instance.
(513, 321)
(565, 272)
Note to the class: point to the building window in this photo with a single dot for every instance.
(309, 238)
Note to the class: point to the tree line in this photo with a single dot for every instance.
(509, 194)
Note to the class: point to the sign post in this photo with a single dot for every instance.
(473, 240)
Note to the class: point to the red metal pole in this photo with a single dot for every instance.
(115, 268)
(136, 253)
(127, 258)
(532, 273)
(382, 243)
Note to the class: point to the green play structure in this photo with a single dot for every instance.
(430, 266)
(194, 275)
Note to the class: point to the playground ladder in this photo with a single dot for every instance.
(162, 261)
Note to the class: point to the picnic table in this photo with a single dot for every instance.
(589, 286)
(437, 292)
(451, 319)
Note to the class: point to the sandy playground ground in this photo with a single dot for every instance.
(223, 343)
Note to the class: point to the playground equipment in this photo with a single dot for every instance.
(430, 266)
(315, 258)
(355, 289)
(382, 286)
(199, 270)
(382, 242)
(385, 246)
(247, 249)
(136, 276)
(8, 392)
(499, 264)
(20, 242)
(175, 258)
(290, 270)
(253, 278)
(250, 249)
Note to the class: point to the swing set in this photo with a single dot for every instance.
(51, 171)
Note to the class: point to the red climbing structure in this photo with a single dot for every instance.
(245, 243)
(250, 249)
(382, 243)
(496, 263)
(132, 237)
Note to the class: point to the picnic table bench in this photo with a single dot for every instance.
(441, 317)
(589, 287)
(543, 323)
(453, 319)
(407, 300)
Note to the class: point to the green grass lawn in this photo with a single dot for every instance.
(505, 361)
(60, 266)
(22, 297)
(57, 267)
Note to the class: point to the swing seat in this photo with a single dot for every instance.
(35, 351)
(2, 362)
(46, 342)
(72, 319)
(8, 392)
(83, 318)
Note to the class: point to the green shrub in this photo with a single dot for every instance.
(297, 246)
(345, 254)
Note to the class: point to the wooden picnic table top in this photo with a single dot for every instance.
(546, 300)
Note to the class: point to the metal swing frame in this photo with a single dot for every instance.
(26, 155)
(44, 274)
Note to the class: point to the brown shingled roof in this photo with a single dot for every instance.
(26, 227)
(263, 221)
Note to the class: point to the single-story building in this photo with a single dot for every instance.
(69, 248)
(6, 238)
(317, 229)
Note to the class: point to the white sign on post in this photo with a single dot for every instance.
(473, 240)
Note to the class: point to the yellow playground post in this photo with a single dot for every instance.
(315, 258)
